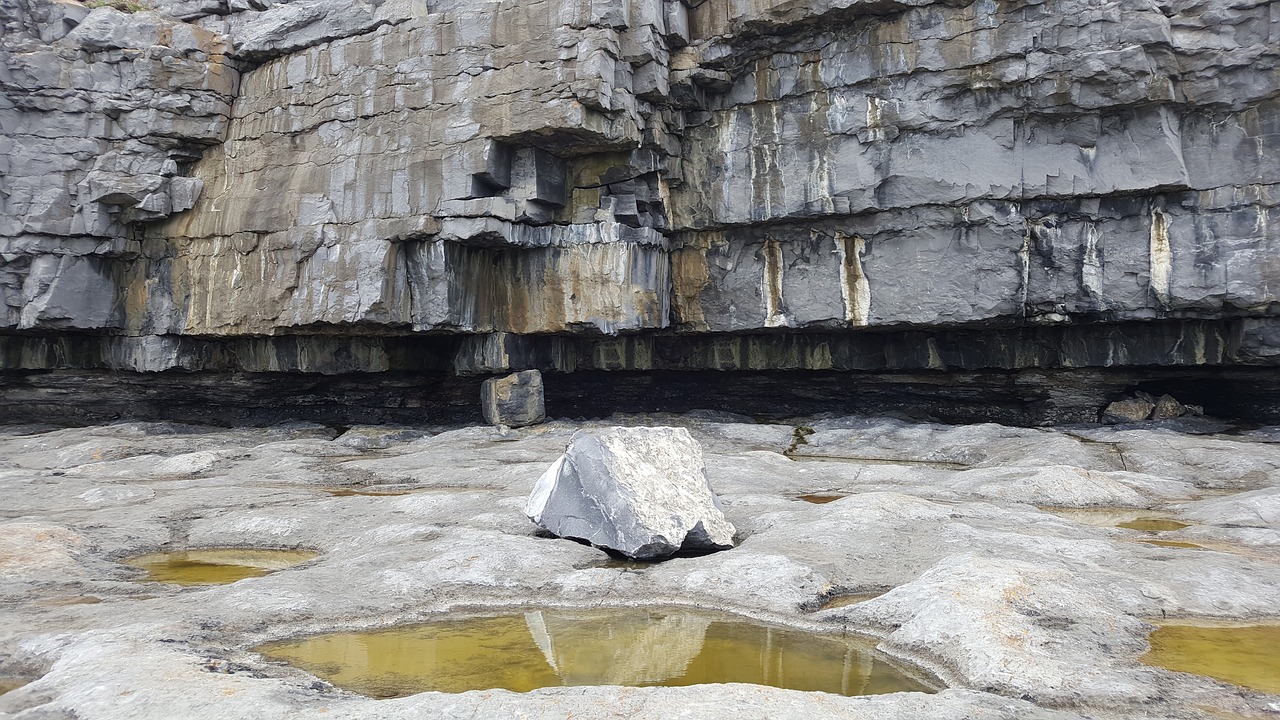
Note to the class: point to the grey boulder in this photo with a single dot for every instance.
(641, 492)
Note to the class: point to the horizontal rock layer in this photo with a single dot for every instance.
(1027, 397)
(1222, 343)
(638, 185)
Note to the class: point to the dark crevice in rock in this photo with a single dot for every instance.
(1030, 397)
(1222, 342)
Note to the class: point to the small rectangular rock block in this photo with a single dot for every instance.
(515, 400)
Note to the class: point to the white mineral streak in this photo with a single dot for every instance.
(875, 130)
(1024, 261)
(771, 285)
(855, 289)
(1091, 265)
(1161, 257)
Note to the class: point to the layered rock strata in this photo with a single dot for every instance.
(638, 185)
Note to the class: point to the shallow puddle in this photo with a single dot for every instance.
(1126, 518)
(1246, 655)
(215, 566)
(636, 647)
(11, 683)
(1152, 524)
(1097, 516)
(821, 498)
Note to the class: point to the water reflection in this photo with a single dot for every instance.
(643, 652)
(544, 648)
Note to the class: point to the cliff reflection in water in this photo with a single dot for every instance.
(542, 648)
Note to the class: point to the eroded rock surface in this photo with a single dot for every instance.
(1024, 612)
(639, 491)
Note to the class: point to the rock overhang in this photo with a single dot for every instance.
(738, 186)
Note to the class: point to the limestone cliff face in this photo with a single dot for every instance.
(639, 184)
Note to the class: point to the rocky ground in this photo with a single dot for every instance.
(1021, 611)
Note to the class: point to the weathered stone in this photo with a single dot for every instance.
(515, 400)
(183, 192)
(641, 492)
(68, 292)
(1166, 408)
(266, 32)
(106, 28)
(1127, 411)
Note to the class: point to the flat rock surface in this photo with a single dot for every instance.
(983, 556)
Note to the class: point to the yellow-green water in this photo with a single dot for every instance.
(1246, 655)
(1152, 524)
(1127, 518)
(215, 566)
(637, 647)
(1099, 516)
(11, 683)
